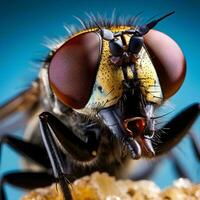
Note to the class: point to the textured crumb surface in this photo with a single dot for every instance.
(103, 187)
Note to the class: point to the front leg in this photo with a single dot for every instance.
(172, 134)
(55, 133)
(175, 129)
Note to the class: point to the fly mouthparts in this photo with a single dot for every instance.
(135, 126)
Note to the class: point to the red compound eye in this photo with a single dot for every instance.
(73, 69)
(168, 60)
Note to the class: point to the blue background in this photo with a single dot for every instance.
(24, 24)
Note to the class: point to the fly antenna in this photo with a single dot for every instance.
(153, 23)
(144, 29)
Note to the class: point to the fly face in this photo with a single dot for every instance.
(110, 74)
(111, 78)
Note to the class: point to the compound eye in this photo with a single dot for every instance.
(168, 60)
(73, 68)
(116, 47)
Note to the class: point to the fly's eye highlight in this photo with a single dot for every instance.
(73, 68)
(116, 47)
(168, 61)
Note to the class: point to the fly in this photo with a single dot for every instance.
(96, 98)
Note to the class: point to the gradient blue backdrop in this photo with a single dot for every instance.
(24, 24)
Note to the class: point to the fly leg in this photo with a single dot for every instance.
(195, 144)
(56, 137)
(174, 131)
(181, 171)
(31, 151)
(25, 180)
(179, 168)
(148, 171)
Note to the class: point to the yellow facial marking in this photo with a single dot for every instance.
(148, 78)
(108, 87)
